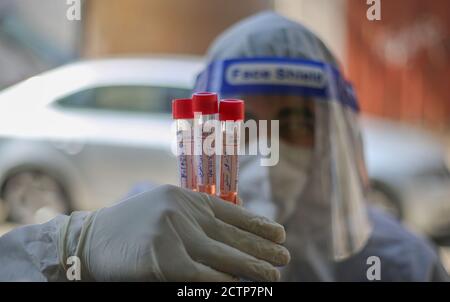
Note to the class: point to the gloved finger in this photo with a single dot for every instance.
(175, 263)
(227, 259)
(243, 219)
(218, 255)
(249, 243)
(205, 273)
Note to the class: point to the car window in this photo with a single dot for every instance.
(150, 99)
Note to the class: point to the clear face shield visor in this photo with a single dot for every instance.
(317, 186)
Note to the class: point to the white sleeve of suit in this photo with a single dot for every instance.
(30, 253)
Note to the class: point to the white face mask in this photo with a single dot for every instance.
(254, 187)
(274, 191)
(288, 178)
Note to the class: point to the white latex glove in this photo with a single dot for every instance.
(172, 234)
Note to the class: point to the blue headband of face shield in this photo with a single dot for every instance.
(275, 75)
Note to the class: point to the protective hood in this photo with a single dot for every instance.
(285, 73)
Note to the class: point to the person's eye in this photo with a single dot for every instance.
(308, 114)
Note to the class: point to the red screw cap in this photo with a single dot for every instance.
(231, 110)
(182, 109)
(205, 102)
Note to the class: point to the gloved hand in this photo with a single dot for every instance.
(172, 234)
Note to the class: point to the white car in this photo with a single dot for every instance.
(80, 136)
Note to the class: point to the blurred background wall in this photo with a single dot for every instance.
(401, 65)
(35, 36)
(160, 26)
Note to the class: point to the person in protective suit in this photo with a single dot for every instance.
(316, 190)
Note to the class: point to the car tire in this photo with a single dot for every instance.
(33, 197)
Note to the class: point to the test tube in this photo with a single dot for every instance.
(183, 115)
(231, 115)
(205, 108)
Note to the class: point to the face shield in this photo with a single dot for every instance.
(316, 189)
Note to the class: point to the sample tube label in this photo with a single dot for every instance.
(229, 168)
(186, 159)
(206, 163)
